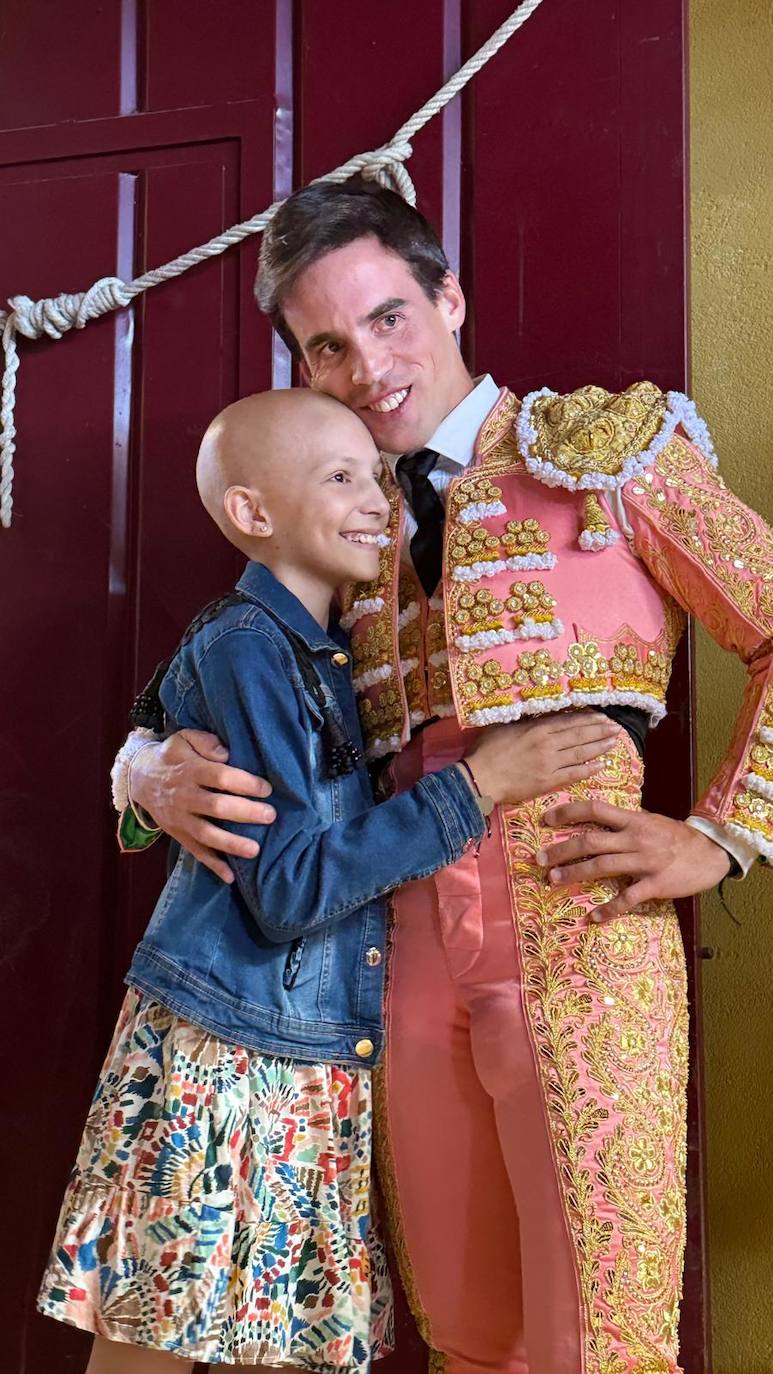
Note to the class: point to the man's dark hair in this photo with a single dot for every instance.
(323, 217)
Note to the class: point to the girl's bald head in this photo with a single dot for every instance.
(259, 439)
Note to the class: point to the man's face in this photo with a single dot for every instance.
(372, 338)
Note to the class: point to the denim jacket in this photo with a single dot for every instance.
(289, 959)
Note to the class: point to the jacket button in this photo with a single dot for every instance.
(373, 957)
(363, 1049)
(340, 660)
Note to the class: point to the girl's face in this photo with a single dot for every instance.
(326, 510)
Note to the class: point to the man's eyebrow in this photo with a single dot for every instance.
(394, 303)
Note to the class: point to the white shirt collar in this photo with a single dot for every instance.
(455, 436)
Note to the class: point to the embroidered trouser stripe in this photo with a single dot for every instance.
(535, 1106)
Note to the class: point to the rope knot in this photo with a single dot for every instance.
(386, 165)
(55, 315)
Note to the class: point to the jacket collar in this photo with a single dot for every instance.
(259, 584)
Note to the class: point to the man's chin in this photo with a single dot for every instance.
(399, 431)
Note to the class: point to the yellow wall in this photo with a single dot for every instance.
(732, 321)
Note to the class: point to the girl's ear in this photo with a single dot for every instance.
(246, 512)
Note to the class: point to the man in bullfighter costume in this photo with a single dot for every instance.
(543, 554)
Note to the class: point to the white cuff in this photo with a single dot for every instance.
(743, 853)
(119, 773)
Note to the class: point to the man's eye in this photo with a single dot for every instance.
(390, 320)
(329, 350)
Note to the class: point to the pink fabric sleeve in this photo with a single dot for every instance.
(714, 556)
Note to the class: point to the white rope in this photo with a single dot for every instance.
(55, 316)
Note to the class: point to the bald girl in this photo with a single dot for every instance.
(291, 478)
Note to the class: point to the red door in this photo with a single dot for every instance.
(129, 133)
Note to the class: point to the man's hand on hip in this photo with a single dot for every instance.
(658, 857)
(184, 782)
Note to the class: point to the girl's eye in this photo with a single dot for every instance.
(340, 477)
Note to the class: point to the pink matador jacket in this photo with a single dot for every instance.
(585, 527)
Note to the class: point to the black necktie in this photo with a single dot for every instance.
(412, 472)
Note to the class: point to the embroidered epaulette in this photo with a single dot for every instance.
(594, 439)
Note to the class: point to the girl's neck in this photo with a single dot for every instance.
(314, 593)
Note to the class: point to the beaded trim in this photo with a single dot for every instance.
(372, 676)
(495, 715)
(592, 540)
(406, 616)
(762, 786)
(366, 606)
(680, 410)
(527, 562)
(751, 837)
(528, 629)
(480, 510)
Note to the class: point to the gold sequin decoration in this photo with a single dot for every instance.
(531, 601)
(476, 611)
(538, 675)
(632, 674)
(470, 544)
(753, 813)
(586, 668)
(522, 537)
(485, 684)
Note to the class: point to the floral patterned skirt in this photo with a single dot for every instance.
(219, 1208)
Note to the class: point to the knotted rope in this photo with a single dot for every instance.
(55, 316)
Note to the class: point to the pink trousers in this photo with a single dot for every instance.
(533, 1106)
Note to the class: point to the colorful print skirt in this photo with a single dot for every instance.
(220, 1205)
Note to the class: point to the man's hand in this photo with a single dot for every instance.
(187, 779)
(660, 857)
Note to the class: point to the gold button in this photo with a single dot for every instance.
(340, 660)
(373, 957)
(363, 1049)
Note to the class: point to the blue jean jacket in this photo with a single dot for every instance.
(289, 959)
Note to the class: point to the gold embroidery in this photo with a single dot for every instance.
(372, 649)
(715, 529)
(530, 601)
(497, 427)
(469, 544)
(538, 675)
(522, 537)
(436, 636)
(614, 1081)
(485, 685)
(753, 813)
(477, 611)
(630, 674)
(381, 716)
(475, 489)
(586, 668)
(596, 532)
(595, 431)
